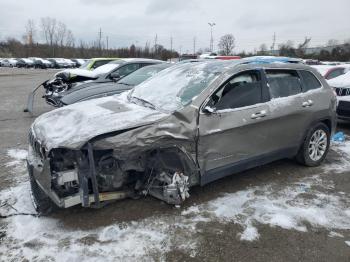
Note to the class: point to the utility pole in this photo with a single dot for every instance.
(171, 48)
(211, 36)
(273, 42)
(155, 40)
(194, 45)
(107, 45)
(100, 39)
(155, 44)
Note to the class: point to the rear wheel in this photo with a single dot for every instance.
(43, 204)
(315, 146)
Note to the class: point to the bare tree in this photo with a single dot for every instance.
(70, 39)
(300, 51)
(60, 34)
(48, 28)
(332, 42)
(304, 44)
(30, 33)
(226, 44)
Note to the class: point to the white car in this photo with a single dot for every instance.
(341, 85)
(331, 71)
(70, 63)
(9, 62)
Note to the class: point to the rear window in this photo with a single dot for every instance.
(335, 73)
(283, 83)
(310, 81)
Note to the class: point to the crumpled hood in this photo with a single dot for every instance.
(72, 126)
(78, 72)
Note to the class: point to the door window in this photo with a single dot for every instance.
(127, 69)
(283, 83)
(242, 90)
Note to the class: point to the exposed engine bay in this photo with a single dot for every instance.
(98, 176)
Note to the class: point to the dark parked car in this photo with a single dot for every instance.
(189, 125)
(42, 63)
(58, 63)
(25, 63)
(75, 78)
(95, 90)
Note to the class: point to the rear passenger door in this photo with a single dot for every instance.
(315, 99)
(287, 120)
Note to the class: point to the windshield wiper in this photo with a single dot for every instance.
(145, 102)
(126, 84)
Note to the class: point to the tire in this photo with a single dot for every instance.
(42, 203)
(315, 146)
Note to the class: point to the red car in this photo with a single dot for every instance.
(228, 57)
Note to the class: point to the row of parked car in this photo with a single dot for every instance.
(37, 62)
(173, 126)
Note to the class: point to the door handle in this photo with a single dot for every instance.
(307, 103)
(260, 114)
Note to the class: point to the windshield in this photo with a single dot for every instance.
(175, 87)
(142, 74)
(86, 64)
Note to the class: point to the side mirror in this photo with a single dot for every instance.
(114, 76)
(208, 110)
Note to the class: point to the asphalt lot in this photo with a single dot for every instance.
(278, 212)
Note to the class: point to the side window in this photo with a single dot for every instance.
(127, 69)
(146, 64)
(100, 63)
(335, 73)
(283, 83)
(309, 80)
(242, 90)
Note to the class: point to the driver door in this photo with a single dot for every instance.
(232, 129)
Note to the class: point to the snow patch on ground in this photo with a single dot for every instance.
(335, 234)
(17, 156)
(308, 203)
(342, 163)
(294, 207)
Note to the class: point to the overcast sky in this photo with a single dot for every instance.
(252, 22)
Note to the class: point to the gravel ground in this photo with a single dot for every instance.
(277, 212)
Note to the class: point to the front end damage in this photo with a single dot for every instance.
(54, 88)
(92, 176)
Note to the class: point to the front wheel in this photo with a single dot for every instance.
(315, 146)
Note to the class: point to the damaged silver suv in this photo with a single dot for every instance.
(189, 125)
